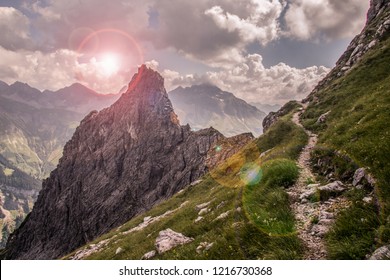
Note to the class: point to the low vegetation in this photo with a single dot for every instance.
(356, 134)
(248, 189)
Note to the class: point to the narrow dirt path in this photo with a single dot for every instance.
(306, 213)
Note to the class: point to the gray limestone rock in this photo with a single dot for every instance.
(382, 253)
(336, 187)
(119, 163)
(322, 118)
(149, 255)
(168, 239)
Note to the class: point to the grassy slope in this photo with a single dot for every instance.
(358, 128)
(237, 186)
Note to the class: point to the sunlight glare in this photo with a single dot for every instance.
(110, 63)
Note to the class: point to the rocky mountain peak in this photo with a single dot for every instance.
(120, 162)
(146, 80)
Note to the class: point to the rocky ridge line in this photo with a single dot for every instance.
(376, 29)
(119, 163)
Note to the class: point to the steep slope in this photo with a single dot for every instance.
(228, 216)
(18, 192)
(239, 210)
(34, 129)
(205, 105)
(36, 125)
(349, 112)
(119, 163)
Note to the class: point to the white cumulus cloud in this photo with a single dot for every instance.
(325, 19)
(14, 26)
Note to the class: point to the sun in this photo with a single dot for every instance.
(110, 63)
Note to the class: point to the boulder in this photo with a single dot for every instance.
(149, 255)
(382, 253)
(168, 239)
(361, 174)
(333, 188)
(358, 176)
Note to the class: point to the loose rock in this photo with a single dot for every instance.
(203, 211)
(204, 246)
(168, 239)
(382, 253)
(149, 255)
(223, 215)
(118, 251)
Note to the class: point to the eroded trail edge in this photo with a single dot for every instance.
(313, 218)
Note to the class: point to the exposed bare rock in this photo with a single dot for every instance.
(118, 251)
(90, 249)
(204, 246)
(203, 211)
(168, 239)
(149, 255)
(322, 118)
(223, 215)
(203, 205)
(226, 147)
(150, 220)
(334, 188)
(196, 182)
(360, 175)
(98, 185)
(382, 253)
(377, 26)
(273, 117)
(367, 199)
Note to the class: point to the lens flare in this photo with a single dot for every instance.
(251, 174)
(110, 64)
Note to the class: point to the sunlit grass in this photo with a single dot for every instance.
(358, 127)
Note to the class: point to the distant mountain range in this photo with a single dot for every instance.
(206, 105)
(34, 128)
(36, 124)
(134, 183)
(266, 108)
(121, 161)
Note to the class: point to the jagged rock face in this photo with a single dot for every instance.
(377, 29)
(273, 117)
(119, 163)
(375, 7)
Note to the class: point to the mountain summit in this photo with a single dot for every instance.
(120, 162)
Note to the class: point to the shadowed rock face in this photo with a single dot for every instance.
(119, 163)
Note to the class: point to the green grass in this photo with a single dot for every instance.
(352, 236)
(243, 185)
(267, 203)
(356, 133)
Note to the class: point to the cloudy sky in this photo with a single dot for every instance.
(266, 51)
